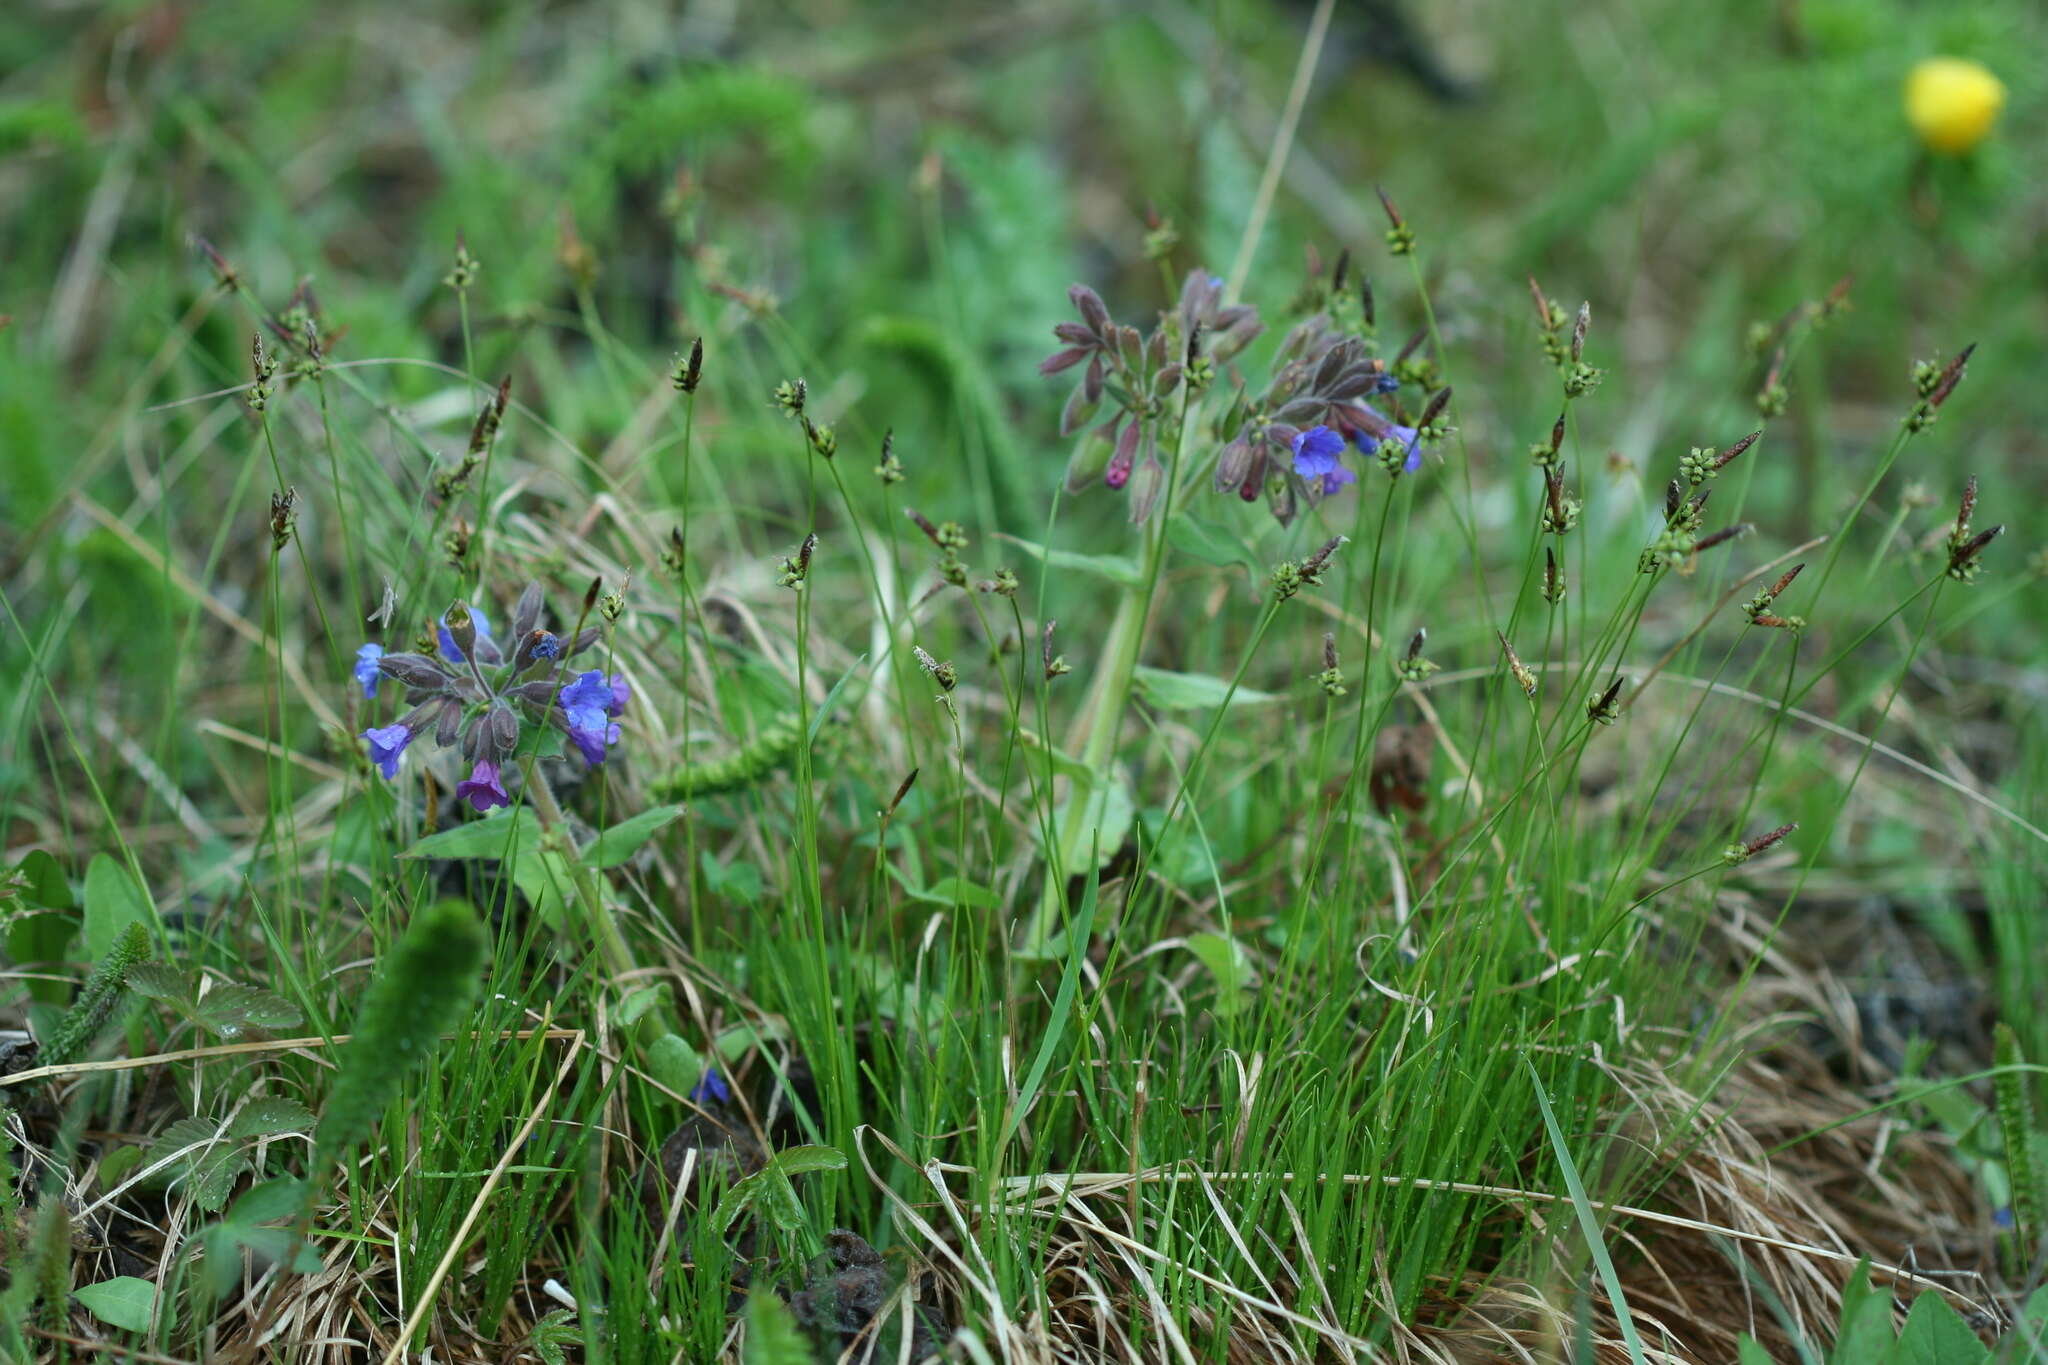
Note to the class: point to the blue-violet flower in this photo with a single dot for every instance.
(483, 788)
(387, 743)
(366, 670)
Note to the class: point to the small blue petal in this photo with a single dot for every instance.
(711, 1088)
(1316, 451)
(366, 671)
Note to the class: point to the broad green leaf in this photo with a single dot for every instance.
(159, 981)
(115, 1165)
(492, 837)
(1194, 691)
(1217, 545)
(1121, 570)
(124, 1302)
(227, 1010)
(639, 1000)
(948, 891)
(278, 1244)
(538, 741)
(270, 1116)
(1936, 1335)
(1106, 818)
(42, 939)
(1063, 763)
(1866, 1324)
(1748, 1351)
(1227, 962)
(772, 1335)
(739, 880)
(48, 887)
(675, 1064)
(112, 902)
(272, 1200)
(546, 880)
(624, 839)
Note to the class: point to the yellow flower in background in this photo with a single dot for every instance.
(1952, 103)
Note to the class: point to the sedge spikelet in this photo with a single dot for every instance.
(2009, 1086)
(423, 991)
(104, 990)
(743, 767)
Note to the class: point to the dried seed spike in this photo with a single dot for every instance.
(1971, 548)
(1416, 642)
(1553, 490)
(924, 524)
(1365, 301)
(590, 594)
(1557, 434)
(1415, 341)
(1542, 304)
(1192, 352)
(902, 790)
(1969, 506)
(1674, 497)
(1579, 326)
(1314, 563)
(1724, 535)
(1743, 852)
(1732, 452)
(1784, 581)
(1329, 650)
(1437, 403)
(1393, 214)
(1342, 274)
(1951, 376)
(1516, 668)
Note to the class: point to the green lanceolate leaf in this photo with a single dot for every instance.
(124, 1302)
(624, 839)
(1121, 570)
(112, 902)
(496, 836)
(1228, 964)
(1195, 691)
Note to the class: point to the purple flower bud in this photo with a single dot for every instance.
(387, 743)
(483, 788)
(366, 670)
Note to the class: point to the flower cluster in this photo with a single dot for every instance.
(477, 696)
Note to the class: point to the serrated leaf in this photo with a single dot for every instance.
(624, 839)
(159, 981)
(270, 1116)
(271, 1201)
(1195, 691)
(124, 1302)
(227, 1010)
(112, 902)
(772, 1334)
(215, 1177)
(495, 836)
(1936, 1335)
(1228, 964)
(769, 1189)
(803, 1160)
(1121, 570)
